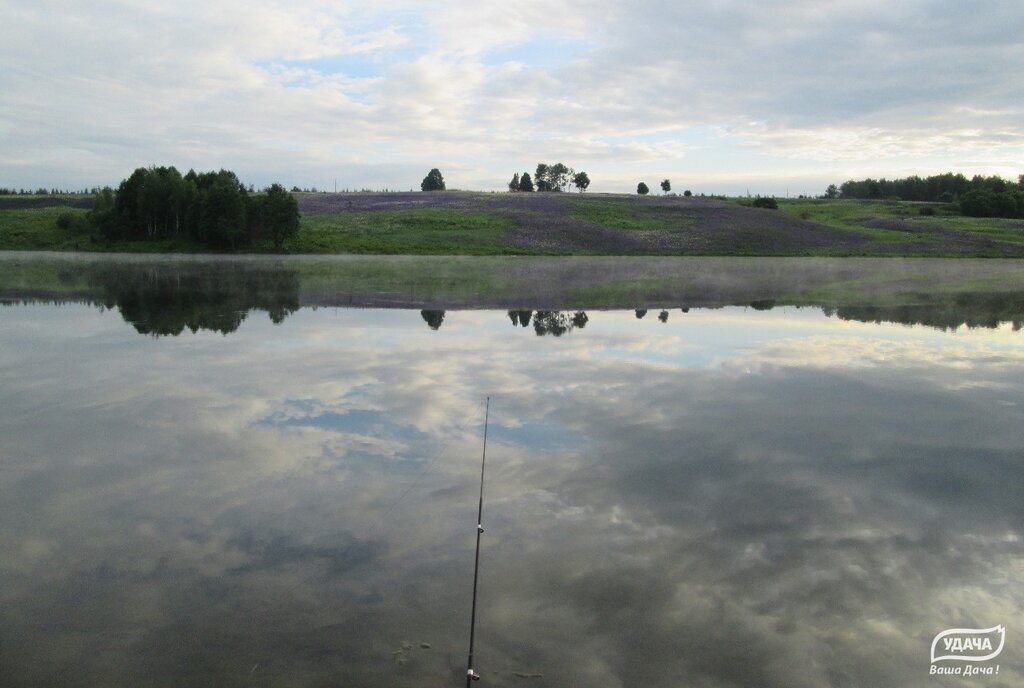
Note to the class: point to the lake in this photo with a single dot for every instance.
(707, 472)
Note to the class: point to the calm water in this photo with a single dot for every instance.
(740, 496)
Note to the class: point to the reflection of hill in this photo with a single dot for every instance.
(167, 299)
(165, 295)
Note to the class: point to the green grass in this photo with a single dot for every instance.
(455, 230)
(36, 229)
(424, 231)
(856, 216)
(624, 214)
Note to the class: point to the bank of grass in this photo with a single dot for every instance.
(426, 231)
(35, 229)
(877, 219)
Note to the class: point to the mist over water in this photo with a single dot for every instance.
(203, 489)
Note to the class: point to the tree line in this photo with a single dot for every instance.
(213, 208)
(979, 196)
(557, 177)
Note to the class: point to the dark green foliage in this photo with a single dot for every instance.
(222, 211)
(166, 300)
(514, 184)
(987, 203)
(765, 202)
(521, 318)
(525, 183)
(214, 208)
(76, 223)
(832, 191)
(942, 188)
(581, 181)
(642, 189)
(558, 176)
(688, 193)
(540, 177)
(103, 215)
(433, 181)
(553, 177)
(666, 185)
(277, 215)
(926, 210)
(557, 323)
(434, 319)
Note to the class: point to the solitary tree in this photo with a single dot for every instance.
(433, 181)
(581, 181)
(642, 189)
(666, 185)
(525, 183)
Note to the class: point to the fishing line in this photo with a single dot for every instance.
(454, 435)
(470, 674)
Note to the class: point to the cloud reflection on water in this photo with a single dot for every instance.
(730, 498)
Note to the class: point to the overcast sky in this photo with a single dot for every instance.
(718, 96)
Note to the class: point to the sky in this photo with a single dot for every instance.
(727, 96)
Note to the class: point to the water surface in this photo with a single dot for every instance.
(234, 488)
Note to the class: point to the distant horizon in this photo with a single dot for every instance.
(725, 98)
(655, 190)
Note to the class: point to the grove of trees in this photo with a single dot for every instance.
(214, 208)
(557, 177)
(978, 196)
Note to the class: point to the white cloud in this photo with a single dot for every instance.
(307, 93)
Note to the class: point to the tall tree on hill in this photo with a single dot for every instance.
(581, 181)
(558, 176)
(540, 177)
(433, 181)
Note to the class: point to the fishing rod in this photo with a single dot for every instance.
(470, 674)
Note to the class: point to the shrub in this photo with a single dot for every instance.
(74, 223)
(926, 210)
(768, 202)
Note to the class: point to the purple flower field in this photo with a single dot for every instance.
(658, 225)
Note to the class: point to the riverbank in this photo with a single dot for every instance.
(472, 223)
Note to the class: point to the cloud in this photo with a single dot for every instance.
(308, 93)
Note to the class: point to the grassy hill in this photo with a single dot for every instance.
(470, 223)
